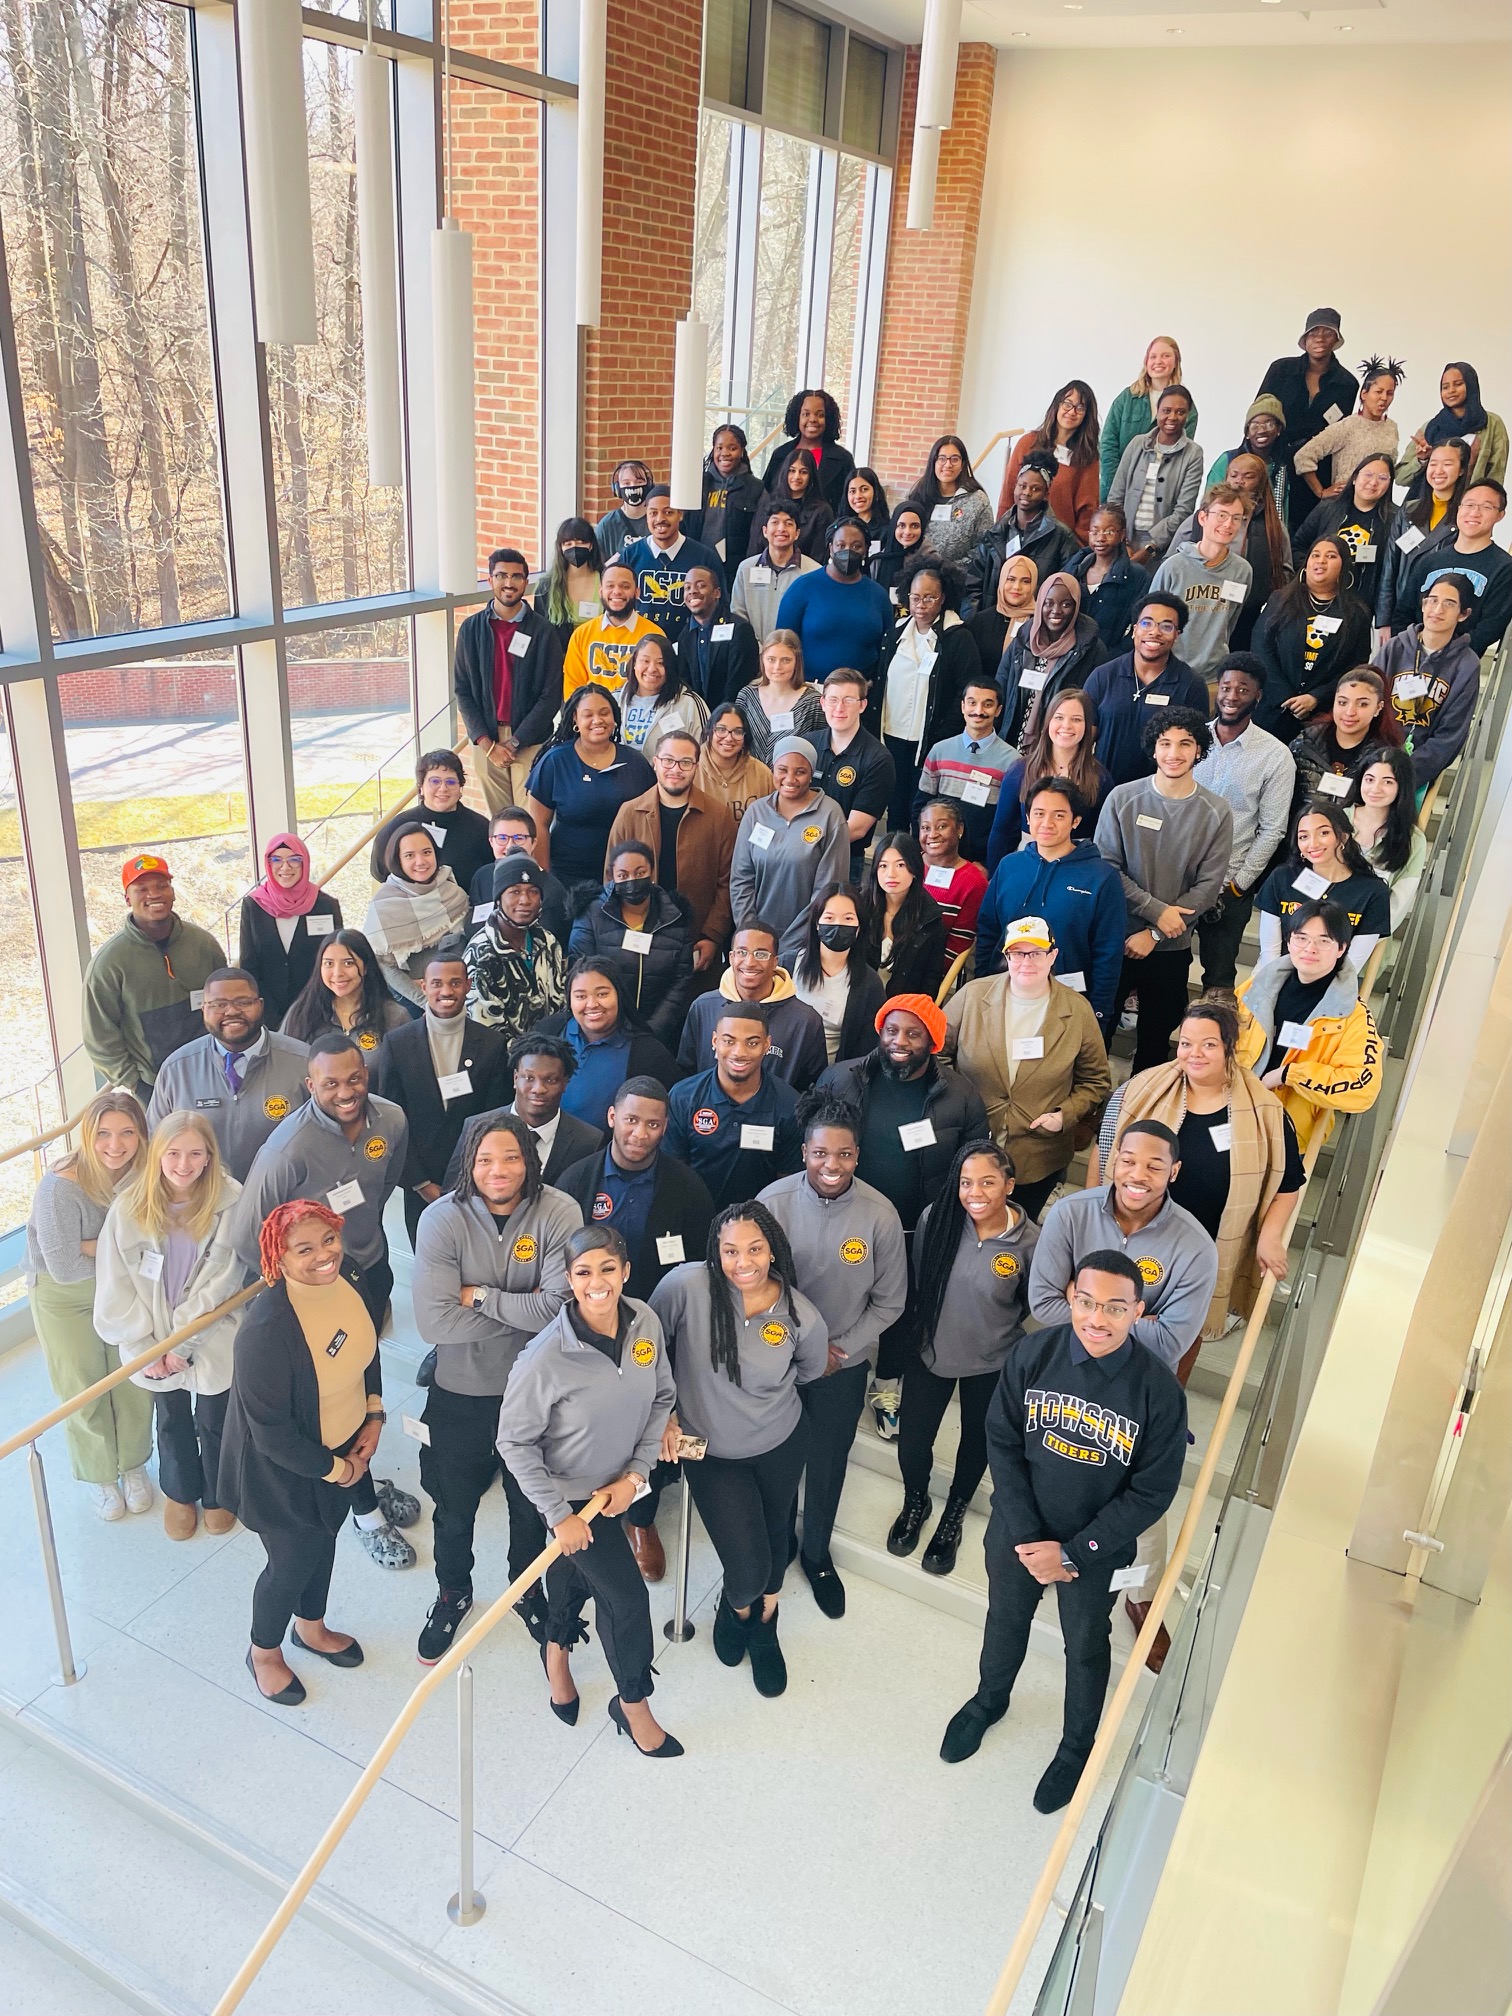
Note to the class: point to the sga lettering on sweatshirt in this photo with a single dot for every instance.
(1106, 1431)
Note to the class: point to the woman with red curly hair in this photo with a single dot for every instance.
(303, 1425)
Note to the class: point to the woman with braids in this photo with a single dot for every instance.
(972, 1248)
(490, 1273)
(302, 1428)
(587, 1409)
(743, 1339)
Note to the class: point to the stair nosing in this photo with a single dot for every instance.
(118, 1974)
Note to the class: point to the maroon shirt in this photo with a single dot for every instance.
(503, 669)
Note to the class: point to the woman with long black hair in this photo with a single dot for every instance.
(827, 960)
(812, 421)
(742, 1340)
(1364, 519)
(1326, 864)
(971, 1253)
(1308, 632)
(927, 657)
(953, 506)
(345, 992)
(866, 502)
(568, 592)
(1432, 504)
(799, 491)
(904, 939)
(1382, 809)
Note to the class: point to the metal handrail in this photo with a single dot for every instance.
(450, 1662)
(1123, 1694)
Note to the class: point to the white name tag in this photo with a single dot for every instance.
(519, 644)
(642, 1490)
(1127, 1578)
(416, 1428)
(1062, 455)
(637, 941)
(1025, 1047)
(1366, 553)
(761, 836)
(874, 549)
(1296, 1035)
(763, 1139)
(760, 577)
(1311, 883)
(1231, 591)
(1332, 415)
(719, 548)
(437, 833)
(722, 632)
(939, 878)
(1157, 699)
(1409, 686)
(669, 1248)
(588, 608)
(1469, 439)
(894, 598)
(482, 912)
(1148, 819)
(152, 1266)
(1222, 1137)
(1077, 982)
(976, 794)
(917, 1134)
(1326, 625)
(781, 724)
(454, 1084)
(196, 997)
(1332, 785)
(1012, 547)
(345, 1197)
(1410, 540)
(1034, 682)
(940, 515)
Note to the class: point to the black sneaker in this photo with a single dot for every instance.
(829, 1590)
(447, 1612)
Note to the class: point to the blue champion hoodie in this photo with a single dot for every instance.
(1080, 897)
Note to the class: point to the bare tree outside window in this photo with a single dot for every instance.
(781, 251)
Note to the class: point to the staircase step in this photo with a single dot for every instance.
(65, 1958)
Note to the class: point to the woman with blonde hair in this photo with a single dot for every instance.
(778, 702)
(110, 1440)
(1133, 411)
(165, 1258)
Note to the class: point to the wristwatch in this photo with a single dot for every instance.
(480, 1298)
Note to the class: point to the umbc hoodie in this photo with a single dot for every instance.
(1080, 897)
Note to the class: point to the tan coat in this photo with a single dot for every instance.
(705, 843)
(1072, 1077)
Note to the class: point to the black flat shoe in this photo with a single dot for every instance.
(829, 1590)
(564, 1711)
(287, 1697)
(966, 1728)
(668, 1746)
(350, 1656)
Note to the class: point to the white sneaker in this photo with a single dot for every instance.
(107, 1500)
(885, 1402)
(138, 1488)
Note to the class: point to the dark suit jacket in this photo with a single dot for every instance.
(407, 1076)
(733, 662)
(680, 1206)
(574, 1139)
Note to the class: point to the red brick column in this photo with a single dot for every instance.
(926, 297)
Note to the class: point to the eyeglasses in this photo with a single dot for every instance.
(1087, 1305)
(1166, 629)
(751, 958)
(677, 762)
(234, 1001)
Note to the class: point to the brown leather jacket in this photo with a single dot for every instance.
(705, 842)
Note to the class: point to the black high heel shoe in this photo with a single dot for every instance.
(564, 1711)
(668, 1746)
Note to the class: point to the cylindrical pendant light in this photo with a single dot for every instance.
(455, 442)
(937, 62)
(923, 171)
(270, 38)
(378, 268)
(593, 35)
(690, 375)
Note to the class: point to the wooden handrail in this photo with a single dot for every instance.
(953, 977)
(41, 1140)
(325, 1848)
(125, 1370)
(1118, 1705)
(1425, 810)
(1003, 434)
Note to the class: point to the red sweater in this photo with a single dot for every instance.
(1073, 492)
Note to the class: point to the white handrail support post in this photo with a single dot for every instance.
(678, 1626)
(71, 1670)
(467, 1907)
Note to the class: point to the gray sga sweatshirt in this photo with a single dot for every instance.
(308, 1155)
(779, 862)
(521, 1261)
(1167, 850)
(193, 1080)
(851, 1256)
(774, 1358)
(986, 1298)
(572, 1419)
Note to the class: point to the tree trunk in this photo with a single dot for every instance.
(299, 567)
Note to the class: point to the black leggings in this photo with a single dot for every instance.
(926, 1395)
(295, 1582)
(746, 1505)
(606, 1571)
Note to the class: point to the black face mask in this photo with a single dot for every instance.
(846, 562)
(838, 937)
(577, 556)
(635, 889)
(633, 495)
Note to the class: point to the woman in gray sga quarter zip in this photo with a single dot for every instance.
(972, 1248)
(742, 1341)
(587, 1409)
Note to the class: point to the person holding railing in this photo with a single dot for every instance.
(302, 1427)
(165, 1257)
(110, 1440)
(587, 1409)
(285, 921)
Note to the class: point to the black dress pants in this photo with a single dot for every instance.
(1033, 1197)
(457, 1467)
(905, 755)
(926, 1395)
(832, 1406)
(1161, 983)
(1086, 1619)
(189, 1442)
(606, 1571)
(1220, 933)
(746, 1505)
(295, 1583)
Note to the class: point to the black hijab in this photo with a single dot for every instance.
(1447, 426)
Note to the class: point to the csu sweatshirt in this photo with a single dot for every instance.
(1087, 1451)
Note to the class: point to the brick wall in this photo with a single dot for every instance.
(926, 297)
(189, 691)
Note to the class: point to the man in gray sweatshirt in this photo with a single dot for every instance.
(1211, 579)
(1169, 838)
(243, 1077)
(852, 1262)
(490, 1274)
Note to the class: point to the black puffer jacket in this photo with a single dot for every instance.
(953, 1106)
(657, 984)
(1049, 544)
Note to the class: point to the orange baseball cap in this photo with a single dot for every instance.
(143, 864)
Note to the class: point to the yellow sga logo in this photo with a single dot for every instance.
(643, 1351)
(376, 1148)
(853, 1252)
(774, 1333)
(846, 774)
(1005, 1266)
(813, 834)
(1150, 1271)
(367, 1040)
(276, 1107)
(525, 1249)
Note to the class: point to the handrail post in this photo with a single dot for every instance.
(467, 1907)
(72, 1670)
(679, 1627)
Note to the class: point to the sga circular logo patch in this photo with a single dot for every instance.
(524, 1248)
(853, 1252)
(276, 1107)
(813, 834)
(706, 1121)
(774, 1333)
(376, 1148)
(367, 1040)
(643, 1351)
(603, 1206)
(1150, 1271)
(846, 774)
(1005, 1266)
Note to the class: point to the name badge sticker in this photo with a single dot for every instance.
(637, 941)
(874, 549)
(1062, 454)
(415, 1428)
(519, 644)
(1365, 553)
(482, 912)
(917, 1134)
(940, 515)
(1011, 548)
(1222, 1137)
(345, 1197)
(1034, 682)
(1332, 415)
(1410, 540)
(762, 1139)
(320, 927)
(1157, 699)
(761, 836)
(1295, 1035)
(152, 1266)
(781, 724)
(1077, 982)
(196, 997)
(1311, 883)
(669, 1249)
(975, 794)
(1409, 686)
(1326, 625)
(1332, 785)
(938, 878)
(1231, 591)
(437, 833)
(1127, 1578)
(454, 1084)
(1148, 819)
(760, 577)
(588, 609)
(1025, 1047)
(722, 632)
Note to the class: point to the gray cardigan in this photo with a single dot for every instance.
(1177, 487)
(774, 1358)
(521, 1261)
(62, 1218)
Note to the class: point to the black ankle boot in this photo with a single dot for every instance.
(903, 1535)
(945, 1542)
(732, 1632)
(768, 1667)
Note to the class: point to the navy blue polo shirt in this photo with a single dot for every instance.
(623, 1200)
(1124, 707)
(706, 1127)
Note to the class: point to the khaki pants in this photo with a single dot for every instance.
(114, 1433)
(503, 784)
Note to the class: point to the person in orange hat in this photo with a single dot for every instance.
(916, 1111)
(143, 988)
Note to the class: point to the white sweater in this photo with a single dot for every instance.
(132, 1311)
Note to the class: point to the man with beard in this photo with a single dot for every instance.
(1254, 774)
(599, 651)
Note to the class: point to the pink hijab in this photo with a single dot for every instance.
(272, 896)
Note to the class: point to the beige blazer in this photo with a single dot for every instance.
(1071, 1078)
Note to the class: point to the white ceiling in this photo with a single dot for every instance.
(1198, 24)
